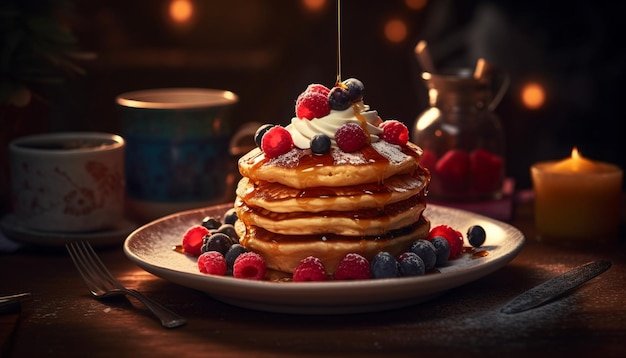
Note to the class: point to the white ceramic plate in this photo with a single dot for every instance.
(151, 247)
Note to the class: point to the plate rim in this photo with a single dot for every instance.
(286, 292)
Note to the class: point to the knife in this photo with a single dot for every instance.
(555, 287)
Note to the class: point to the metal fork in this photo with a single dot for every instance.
(102, 284)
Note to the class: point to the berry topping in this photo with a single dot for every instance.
(212, 263)
(353, 267)
(211, 223)
(217, 242)
(411, 264)
(230, 216)
(394, 132)
(476, 235)
(249, 265)
(320, 143)
(260, 132)
(350, 137)
(426, 251)
(232, 254)
(339, 98)
(454, 238)
(442, 248)
(276, 141)
(310, 269)
(313, 103)
(453, 170)
(229, 230)
(487, 170)
(355, 89)
(384, 265)
(192, 240)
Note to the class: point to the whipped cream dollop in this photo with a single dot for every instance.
(302, 130)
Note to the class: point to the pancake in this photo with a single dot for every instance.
(284, 252)
(302, 169)
(280, 198)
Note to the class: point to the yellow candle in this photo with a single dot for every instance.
(577, 199)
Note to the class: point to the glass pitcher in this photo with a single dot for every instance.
(461, 136)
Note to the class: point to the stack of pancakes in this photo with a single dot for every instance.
(301, 204)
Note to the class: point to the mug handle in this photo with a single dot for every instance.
(505, 81)
(243, 140)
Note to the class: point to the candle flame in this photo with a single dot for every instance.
(575, 153)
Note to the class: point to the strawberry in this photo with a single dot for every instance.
(487, 170)
(453, 170)
(454, 238)
(192, 240)
(313, 102)
(310, 269)
(394, 132)
(428, 159)
(350, 137)
(276, 141)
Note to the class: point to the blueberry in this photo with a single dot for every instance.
(426, 251)
(476, 235)
(339, 98)
(210, 222)
(217, 242)
(229, 230)
(258, 135)
(384, 265)
(442, 248)
(320, 143)
(411, 264)
(355, 89)
(230, 216)
(232, 254)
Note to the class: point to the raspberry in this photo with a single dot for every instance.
(212, 263)
(312, 104)
(276, 141)
(317, 88)
(310, 269)
(192, 240)
(353, 267)
(250, 266)
(350, 137)
(394, 132)
(487, 170)
(454, 238)
(453, 170)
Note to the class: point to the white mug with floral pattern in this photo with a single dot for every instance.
(68, 182)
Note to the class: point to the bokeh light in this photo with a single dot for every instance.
(314, 5)
(181, 11)
(415, 4)
(533, 95)
(396, 30)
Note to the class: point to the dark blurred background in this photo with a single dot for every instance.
(269, 51)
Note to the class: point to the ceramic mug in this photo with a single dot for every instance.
(67, 182)
(177, 154)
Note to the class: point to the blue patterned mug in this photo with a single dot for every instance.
(177, 149)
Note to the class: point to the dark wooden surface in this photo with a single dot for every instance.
(63, 320)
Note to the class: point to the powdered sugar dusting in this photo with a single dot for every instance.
(390, 151)
(291, 159)
(341, 157)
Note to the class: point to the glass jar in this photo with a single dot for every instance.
(461, 136)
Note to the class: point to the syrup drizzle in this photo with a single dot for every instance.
(338, 42)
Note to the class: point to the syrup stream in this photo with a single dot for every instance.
(338, 42)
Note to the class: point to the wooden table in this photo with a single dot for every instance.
(63, 320)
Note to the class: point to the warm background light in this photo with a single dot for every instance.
(314, 5)
(415, 4)
(181, 11)
(395, 30)
(533, 95)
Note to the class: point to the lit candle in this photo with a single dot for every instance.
(577, 198)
